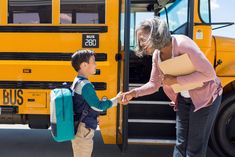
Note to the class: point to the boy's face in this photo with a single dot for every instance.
(91, 66)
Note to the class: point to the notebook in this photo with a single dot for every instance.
(178, 66)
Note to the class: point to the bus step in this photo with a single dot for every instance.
(150, 102)
(151, 121)
(134, 85)
(150, 110)
(151, 129)
(151, 141)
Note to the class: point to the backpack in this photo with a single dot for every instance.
(61, 114)
(63, 126)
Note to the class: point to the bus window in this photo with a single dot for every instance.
(66, 18)
(82, 12)
(204, 11)
(177, 14)
(136, 19)
(29, 11)
(132, 30)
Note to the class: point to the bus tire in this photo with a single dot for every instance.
(38, 121)
(222, 135)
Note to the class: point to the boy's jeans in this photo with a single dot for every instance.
(83, 142)
(193, 128)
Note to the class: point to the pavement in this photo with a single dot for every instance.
(20, 141)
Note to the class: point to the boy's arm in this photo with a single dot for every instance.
(89, 94)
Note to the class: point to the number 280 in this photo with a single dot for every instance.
(90, 42)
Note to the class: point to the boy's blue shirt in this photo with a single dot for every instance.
(89, 94)
(85, 95)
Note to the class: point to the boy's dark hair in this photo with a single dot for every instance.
(81, 56)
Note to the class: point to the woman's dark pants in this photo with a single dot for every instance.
(193, 128)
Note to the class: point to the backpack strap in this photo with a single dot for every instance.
(76, 87)
(85, 112)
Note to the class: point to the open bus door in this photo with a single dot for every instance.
(127, 8)
(134, 124)
(122, 112)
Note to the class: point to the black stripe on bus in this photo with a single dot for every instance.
(54, 29)
(43, 85)
(44, 56)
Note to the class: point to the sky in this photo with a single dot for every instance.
(223, 11)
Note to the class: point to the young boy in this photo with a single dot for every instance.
(83, 61)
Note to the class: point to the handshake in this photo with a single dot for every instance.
(124, 98)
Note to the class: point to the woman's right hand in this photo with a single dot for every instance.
(127, 96)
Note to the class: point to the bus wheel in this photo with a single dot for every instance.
(39, 121)
(223, 133)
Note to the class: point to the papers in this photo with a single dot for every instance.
(178, 66)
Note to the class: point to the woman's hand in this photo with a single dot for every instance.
(127, 96)
(169, 80)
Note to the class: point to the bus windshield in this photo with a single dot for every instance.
(176, 14)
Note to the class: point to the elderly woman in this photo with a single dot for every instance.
(196, 109)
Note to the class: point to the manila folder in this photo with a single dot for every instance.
(179, 66)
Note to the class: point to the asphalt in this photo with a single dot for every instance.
(31, 143)
(15, 142)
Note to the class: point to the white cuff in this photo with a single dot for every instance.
(114, 101)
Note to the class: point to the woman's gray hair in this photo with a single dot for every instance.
(159, 35)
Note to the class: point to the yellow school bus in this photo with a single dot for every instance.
(37, 40)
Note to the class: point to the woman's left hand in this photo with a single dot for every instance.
(169, 80)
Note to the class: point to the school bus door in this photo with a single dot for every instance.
(124, 48)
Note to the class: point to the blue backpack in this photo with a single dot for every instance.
(62, 120)
(63, 126)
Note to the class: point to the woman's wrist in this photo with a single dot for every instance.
(133, 93)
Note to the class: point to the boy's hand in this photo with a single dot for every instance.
(119, 96)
